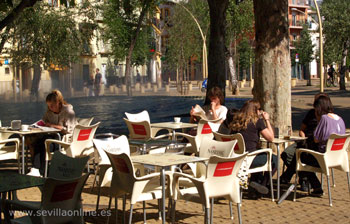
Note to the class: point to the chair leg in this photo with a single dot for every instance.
(94, 182)
(124, 205)
(116, 208)
(333, 177)
(109, 207)
(159, 210)
(347, 174)
(230, 207)
(144, 211)
(321, 181)
(207, 218)
(239, 213)
(98, 196)
(295, 189)
(130, 216)
(211, 210)
(173, 212)
(329, 191)
(271, 186)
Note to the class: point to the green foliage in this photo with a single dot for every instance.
(185, 40)
(304, 46)
(46, 35)
(240, 20)
(336, 28)
(120, 22)
(245, 53)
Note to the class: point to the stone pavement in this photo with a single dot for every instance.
(306, 209)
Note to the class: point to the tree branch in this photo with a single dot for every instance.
(16, 12)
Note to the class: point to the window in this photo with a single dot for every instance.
(7, 71)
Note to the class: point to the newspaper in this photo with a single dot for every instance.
(199, 112)
(41, 124)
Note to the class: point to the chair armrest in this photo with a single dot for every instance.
(268, 150)
(15, 140)
(63, 144)
(177, 175)
(163, 136)
(318, 156)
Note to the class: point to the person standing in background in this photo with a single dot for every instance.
(90, 84)
(98, 82)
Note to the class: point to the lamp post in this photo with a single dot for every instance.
(205, 58)
(320, 42)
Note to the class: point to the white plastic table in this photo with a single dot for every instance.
(31, 131)
(164, 160)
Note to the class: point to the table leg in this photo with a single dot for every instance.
(23, 152)
(278, 171)
(162, 178)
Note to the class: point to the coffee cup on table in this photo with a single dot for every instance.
(177, 119)
(25, 127)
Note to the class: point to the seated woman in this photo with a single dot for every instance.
(59, 115)
(328, 123)
(307, 129)
(213, 111)
(251, 121)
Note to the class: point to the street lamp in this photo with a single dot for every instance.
(205, 58)
(320, 42)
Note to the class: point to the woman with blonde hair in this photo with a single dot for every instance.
(59, 115)
(251, 121)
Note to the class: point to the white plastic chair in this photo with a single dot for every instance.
(10, 152)
(64, 167)
(203, 131)
(208, 148)
(57, 195)
(220, 172)
(104, 169)
(125, 182)
(335, 156)
(239, 148)
(267, 167)
(81, 144)
(143, 116)
(85, 121)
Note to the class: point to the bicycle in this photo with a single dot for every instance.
(332, 81)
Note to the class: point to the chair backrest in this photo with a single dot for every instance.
(115, 146)
(139, 129)
(204, 131)
(142, 116)
(59, 196)
(123, 173)
(82, 140)
(63, 167)
(223, 172)
(239, 147)
(336, 151)
(85, 121)
(210, 147)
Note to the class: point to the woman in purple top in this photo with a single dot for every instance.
(328, 123)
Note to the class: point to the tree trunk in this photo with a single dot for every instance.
(273, 66)
(216, 57)
(232, 69)
(146, 4)
(35, 83)
(343, 67)
(308, 74)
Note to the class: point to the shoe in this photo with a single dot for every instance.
(259, 187)
(304, 186)
(34, 172)
(318, 192)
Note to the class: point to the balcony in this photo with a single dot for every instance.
(299, 3)
(297, 24)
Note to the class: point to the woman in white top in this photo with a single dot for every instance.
(215, 110)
